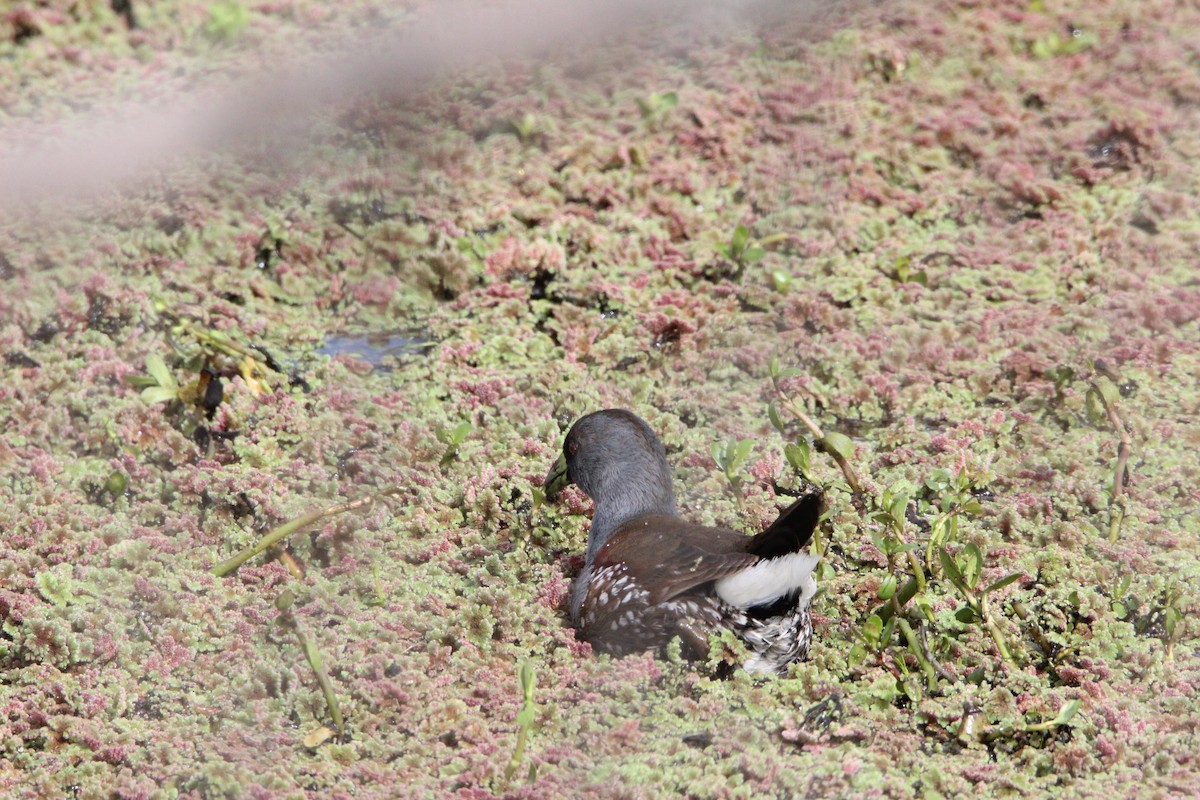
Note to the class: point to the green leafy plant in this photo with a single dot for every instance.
(1123, 603)
(740, 249)
(1052, 44)
(525, 128)
(973, 727)
(955, 499)
(1103, 401)
(730, 457)
(453, 439)
(909, 587)
(873, 637)
(312, 654)
(656, 105)
(837, 445)
(525, 719)
(159, 382)
(965, 578)
(904, 272)
(1172, 619)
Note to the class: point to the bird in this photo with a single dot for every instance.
(649, 575)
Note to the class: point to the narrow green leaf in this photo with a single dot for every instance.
(741, 236)
(1108, 391)
(966, 615)
(741, 452)
(753, 254)
(839, 443)
(924, 606)
(974, 564)
(773, 415)
(937, 531)
(872, 629)
(1005, 581)
(158, 394)
(460, 432)
(527, 681)
(938, 480)
(1066, 712)
(158, 370)
(952, 572)
(798, 455)
(1095, 407)
(1171, 619)
(885, 636)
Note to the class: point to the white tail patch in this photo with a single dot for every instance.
(769, 580)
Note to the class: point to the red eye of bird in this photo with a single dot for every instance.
(572, 447)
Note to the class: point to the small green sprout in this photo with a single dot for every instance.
(837, 445)
(656, 105)
(781, 280)
(875, 635)
(160, 383)
(1061, 375)
(1122, 602)
(287, 619)
(453, 439)
(525, 719)
(1103, 400)
(116, 484)
(906, 274)
(799, 457)
(1052, 44)
(1172, 617)
(524, 128)
(955, 499)
(731, 457)
(740, 249)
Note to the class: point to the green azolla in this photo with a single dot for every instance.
(57, 584)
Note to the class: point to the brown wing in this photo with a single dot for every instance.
(665, 554)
